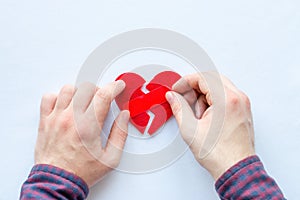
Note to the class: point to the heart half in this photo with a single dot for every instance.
(138, 103)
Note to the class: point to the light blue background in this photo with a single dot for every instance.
(255, 43)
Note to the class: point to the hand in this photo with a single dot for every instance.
(220, 133)
(70, 127)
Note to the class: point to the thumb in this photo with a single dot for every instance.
(184, 115)
(117, 139)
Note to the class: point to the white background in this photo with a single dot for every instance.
(255, 43)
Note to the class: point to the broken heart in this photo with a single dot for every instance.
(139, 103)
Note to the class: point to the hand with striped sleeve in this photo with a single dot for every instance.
(220, 135)
(69, 157)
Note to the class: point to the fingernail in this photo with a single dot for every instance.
(170, 97)
(121, 83)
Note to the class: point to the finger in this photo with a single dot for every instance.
(183, 86)
(198, 81)
(65, 97)
(184, 115)
(47, 104)
(179, 106)
(191, 96)
(209, 83)
(117, 138)
(103, 98)
(83, 96)
(200, 106)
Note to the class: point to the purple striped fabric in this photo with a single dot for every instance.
(245, 180)
(49, 182)
(248, 180)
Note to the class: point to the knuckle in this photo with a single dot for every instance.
(65, 121)
(233, 99)
(245, 100)
(239, 99)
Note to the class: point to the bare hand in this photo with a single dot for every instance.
(220, 133)
(70, 127)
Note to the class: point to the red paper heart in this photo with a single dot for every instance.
(138, 103)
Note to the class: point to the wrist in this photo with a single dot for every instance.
(219, 166)
(236, 168)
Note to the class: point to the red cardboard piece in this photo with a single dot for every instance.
(138, 102)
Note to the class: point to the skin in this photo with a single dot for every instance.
(234, 139)
(71, 123)
(70, 127)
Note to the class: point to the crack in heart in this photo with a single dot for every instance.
(134, 99)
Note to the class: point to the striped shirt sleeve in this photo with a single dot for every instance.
(49, 182)
(248, 180)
